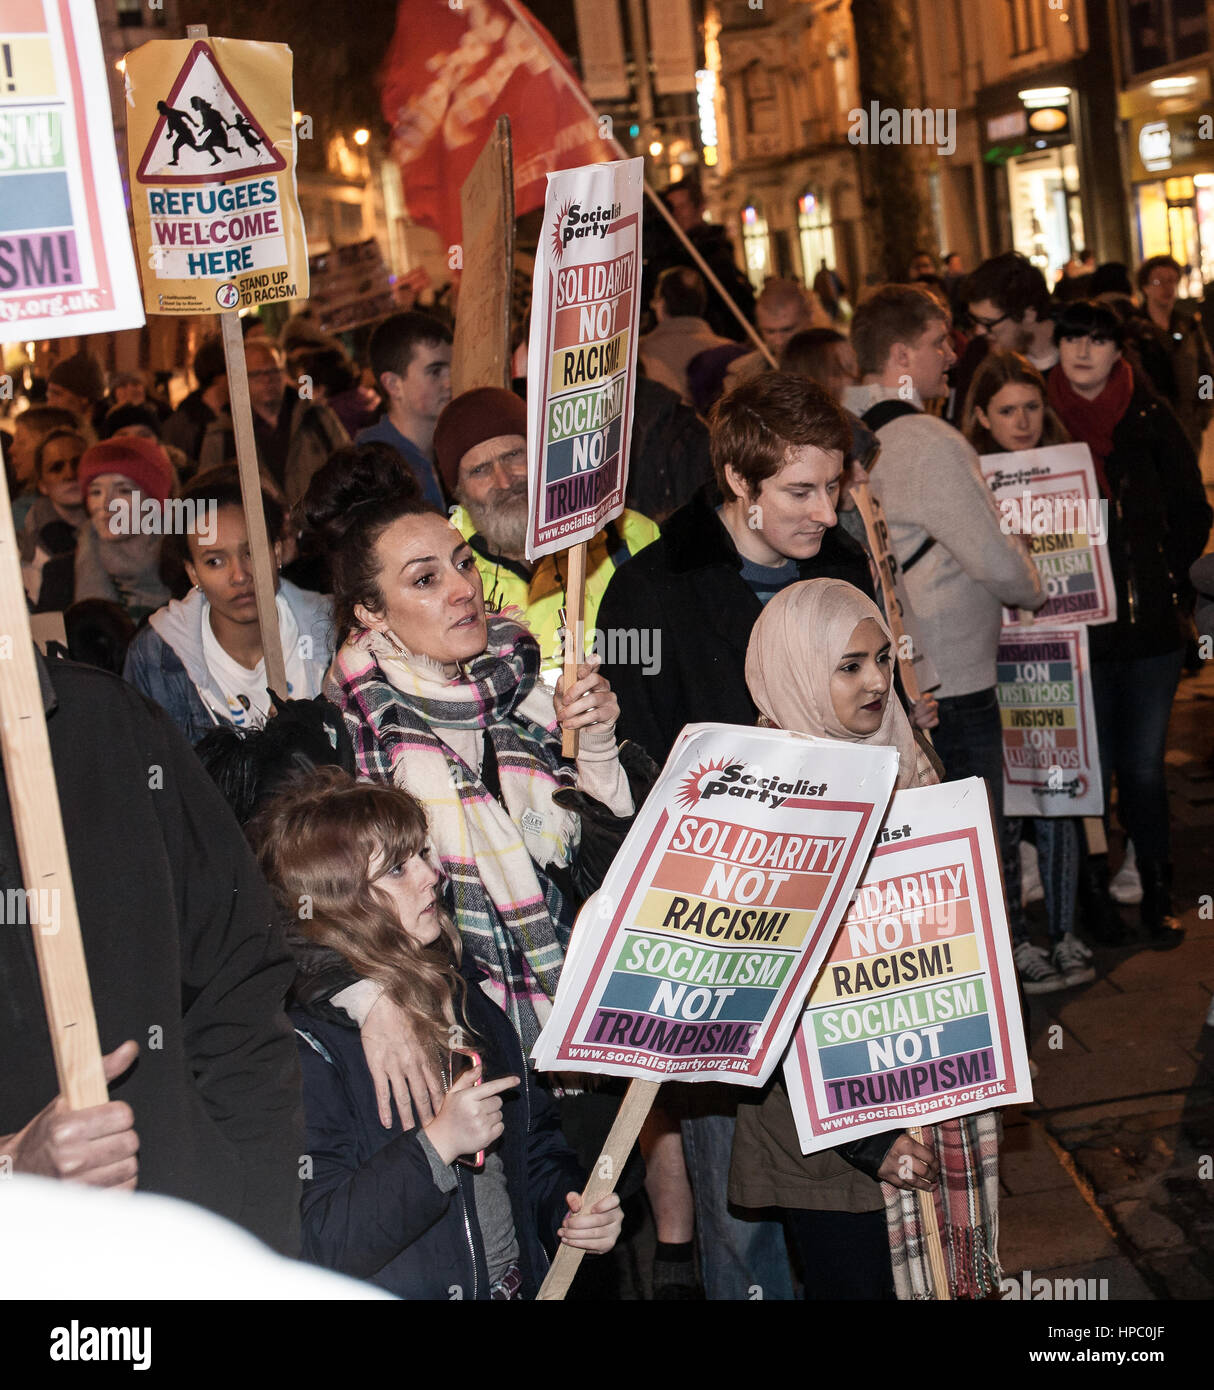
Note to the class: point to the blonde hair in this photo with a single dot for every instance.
(315, 842)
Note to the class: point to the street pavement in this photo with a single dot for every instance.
(1109, 1175)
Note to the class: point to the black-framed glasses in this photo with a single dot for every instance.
(987, 324)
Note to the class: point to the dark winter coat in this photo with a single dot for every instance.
(688, 586)
(183, 956)
(669, 461)
(1158, 523)
(371, 1207)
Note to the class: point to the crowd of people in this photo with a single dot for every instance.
(344, 906)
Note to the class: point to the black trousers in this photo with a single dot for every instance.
(843, 1254)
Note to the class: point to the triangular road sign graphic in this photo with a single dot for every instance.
(205, 133)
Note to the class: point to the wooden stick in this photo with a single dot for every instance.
(1093, 833)
(575, 632)
(265, 571)
(879, 544)
(931, 1233)
(634, 1108)
(34, 800)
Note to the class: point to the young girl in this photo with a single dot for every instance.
(1006, 412)
(819, 663)
(201, 657)
(472, 1203)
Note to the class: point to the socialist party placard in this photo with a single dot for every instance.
(65, 253)
(1051, 497)
(581, 356)
(211, 143)
(692, 961)
(1051, 759)
(914, 1017)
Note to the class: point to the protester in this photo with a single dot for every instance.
(831, 294)
(1158, 523)
(1183, 360)
(438, 695)
(680, 300)
(205, 407)
(76, 383)
(778, 444)
(823, 355)
(294, 435)
(118, 554)
(685, 200)
(411, 359)
(1007, 412)
(185, 968)
(476, 1198)
(29, 430)
(1008, 304)
(922, 263)
(481, 446)
(53, 522)
(334, 381)
(201, 658)
(958, 565)
(669, 460)
(783, 309)
(818, 661)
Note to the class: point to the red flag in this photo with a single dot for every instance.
(448, 76)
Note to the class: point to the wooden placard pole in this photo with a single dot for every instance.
(34, 801)
(931, 1233)
(893, 609)
(265, 571)
(575, 631)
(634, 1108)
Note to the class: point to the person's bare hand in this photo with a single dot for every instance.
(595, 1229)
(470, 1117)
(589, 700)
(909, 1165)
(925, 713)
(399, 1065)
(97, 1145)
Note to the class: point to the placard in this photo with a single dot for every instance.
(211, 144)
(915, 1017)
(691, 962)
(480, 354)
(66, 267)
(1051, 497)
(1051, 757)
(350, 286)
(581, 364)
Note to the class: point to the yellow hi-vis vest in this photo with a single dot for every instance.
(541, 595)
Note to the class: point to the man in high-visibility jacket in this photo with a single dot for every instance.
(480, 443)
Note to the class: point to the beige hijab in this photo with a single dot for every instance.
(794, 648)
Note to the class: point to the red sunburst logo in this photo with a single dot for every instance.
(558, 247)
(692, 786)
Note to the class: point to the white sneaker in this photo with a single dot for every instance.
(1037, 974)
(1031, 890)
(1126, 886)
(1073, 961)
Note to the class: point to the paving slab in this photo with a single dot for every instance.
(1028, 1164)
(1123, 1281)
(1180, 1276)
(1072, 1078)
(1153, 970)
(1147, 1227)
(1047, 1230)
(1177, 1011)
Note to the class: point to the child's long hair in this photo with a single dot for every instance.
(315, 842)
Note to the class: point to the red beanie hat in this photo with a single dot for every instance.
(484, 413)
(144, 462)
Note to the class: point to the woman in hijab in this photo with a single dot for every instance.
(819, 662)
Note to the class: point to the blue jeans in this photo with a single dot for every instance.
(1133, 699)
(739, 1259)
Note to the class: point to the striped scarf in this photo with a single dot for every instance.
(967, 1211)
(397, 705)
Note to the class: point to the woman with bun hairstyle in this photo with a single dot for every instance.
(118, 553)
(444, 699)
(201, 657)
(1158, 523)
(1006, 412)
(819, 662)
(471, 1202)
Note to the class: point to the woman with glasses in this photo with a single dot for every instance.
(49, 533)
(1182, 357)
(1158, 522)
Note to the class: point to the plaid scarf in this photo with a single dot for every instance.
(967, 1212)
(511, 916)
